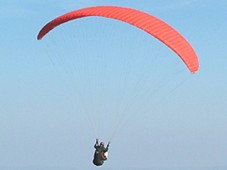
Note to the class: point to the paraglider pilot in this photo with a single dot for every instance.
(101, 153)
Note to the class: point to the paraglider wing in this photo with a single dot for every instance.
(152, 25)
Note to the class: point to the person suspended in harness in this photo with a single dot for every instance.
(101, 153)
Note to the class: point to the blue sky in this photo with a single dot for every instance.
(60, 93)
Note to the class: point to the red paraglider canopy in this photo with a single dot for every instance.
(152, 25)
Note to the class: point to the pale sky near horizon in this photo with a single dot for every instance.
(83, 78)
